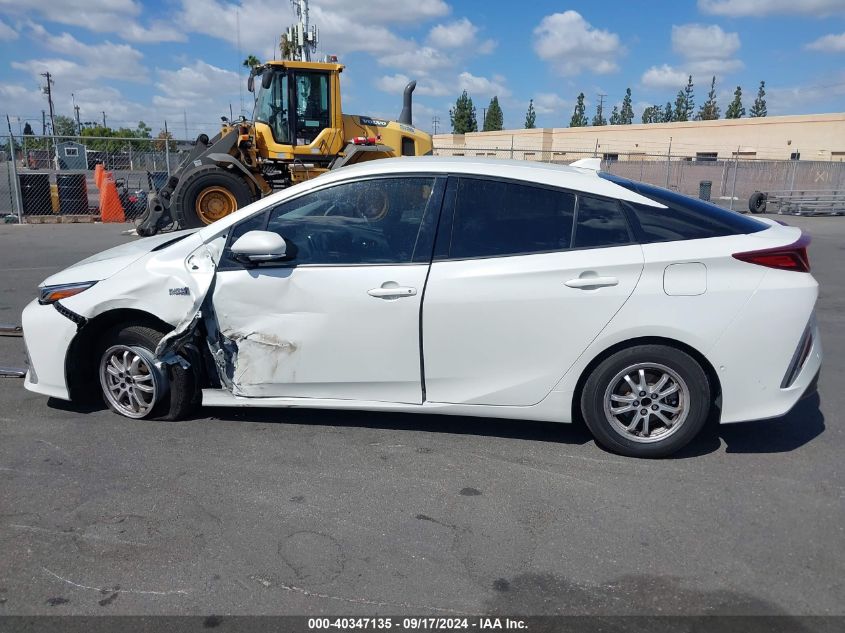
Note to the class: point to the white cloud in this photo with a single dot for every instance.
(102, 16)
(190, 87)
(704, 41)
(395, 84)
(343, 26)
(572, 45)
(453, 35)
(109, 60)
(705, 49)
(482, 86)
(549, 103)
(827, 94)
(7, 33)
(419, 61)
(758, 8)
(664, 76)
(833, 43)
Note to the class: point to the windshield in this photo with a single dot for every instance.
(271, 106)
(300, 122)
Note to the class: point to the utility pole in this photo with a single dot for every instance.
(104, 119)
(435, 121)
(43, 123)
(185, 121)
(48, 90)
(76, 110)
(600, 109)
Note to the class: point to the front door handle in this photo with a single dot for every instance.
(592, 282)
(395, 292)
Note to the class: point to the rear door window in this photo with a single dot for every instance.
(495, 218)
(600, 222)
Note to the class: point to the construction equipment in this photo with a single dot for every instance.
(298, 131)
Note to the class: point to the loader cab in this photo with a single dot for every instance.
(297, 108)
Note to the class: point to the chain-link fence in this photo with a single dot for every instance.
(54, 179)
(731, 182)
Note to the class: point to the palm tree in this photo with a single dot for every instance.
(252, 61)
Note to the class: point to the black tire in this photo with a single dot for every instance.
(182, 394)
(697, 398)
(195, 181)
(757, 202)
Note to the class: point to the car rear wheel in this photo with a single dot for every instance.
(646, 401)
(132, 384)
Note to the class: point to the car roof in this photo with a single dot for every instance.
(583, 179)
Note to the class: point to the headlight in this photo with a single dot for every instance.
(51, 294)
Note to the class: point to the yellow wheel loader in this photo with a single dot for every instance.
(298, 131)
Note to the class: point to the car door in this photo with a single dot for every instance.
(340, 320)
(524, 278)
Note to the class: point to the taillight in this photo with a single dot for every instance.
(792, 257)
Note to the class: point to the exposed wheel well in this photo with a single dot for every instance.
(712, 376)
(81, 361)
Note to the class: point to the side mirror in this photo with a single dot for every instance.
(266, 79)
(250, 83)
(259, 246)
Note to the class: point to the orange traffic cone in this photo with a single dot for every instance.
(99, 172)
(111, 210)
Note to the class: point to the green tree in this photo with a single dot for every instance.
(162, 138)
(653, 114)
(462, 115)
(668, 113)
(615, 118)
(493, 118)
(759, 107)
(251, 61)
(27, 129)
(65, 126)
(579, 116)
(735, 109)
(626, 115)
(680, 111)
(709, 110)
(599, 119)
(530, 116)
(689, 99)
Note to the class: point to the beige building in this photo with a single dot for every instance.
(817, 137)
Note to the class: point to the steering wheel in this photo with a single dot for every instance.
(372, 204)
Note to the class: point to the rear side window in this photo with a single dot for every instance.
(503, 218)
(600, 223)
(684, 218)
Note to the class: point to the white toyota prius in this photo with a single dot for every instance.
(496, 289)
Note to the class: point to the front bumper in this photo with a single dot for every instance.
(47, 336)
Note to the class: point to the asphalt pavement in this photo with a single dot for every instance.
(324, 512)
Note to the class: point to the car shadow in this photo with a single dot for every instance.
(779, 435)
(575, 433)
(800, 426)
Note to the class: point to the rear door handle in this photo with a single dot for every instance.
(397, 292)
(592, 282)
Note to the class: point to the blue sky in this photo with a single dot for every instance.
(179, 60)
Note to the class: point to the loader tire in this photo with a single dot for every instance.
(207, 194)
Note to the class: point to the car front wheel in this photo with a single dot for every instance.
(132, 384)
(646, 401)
